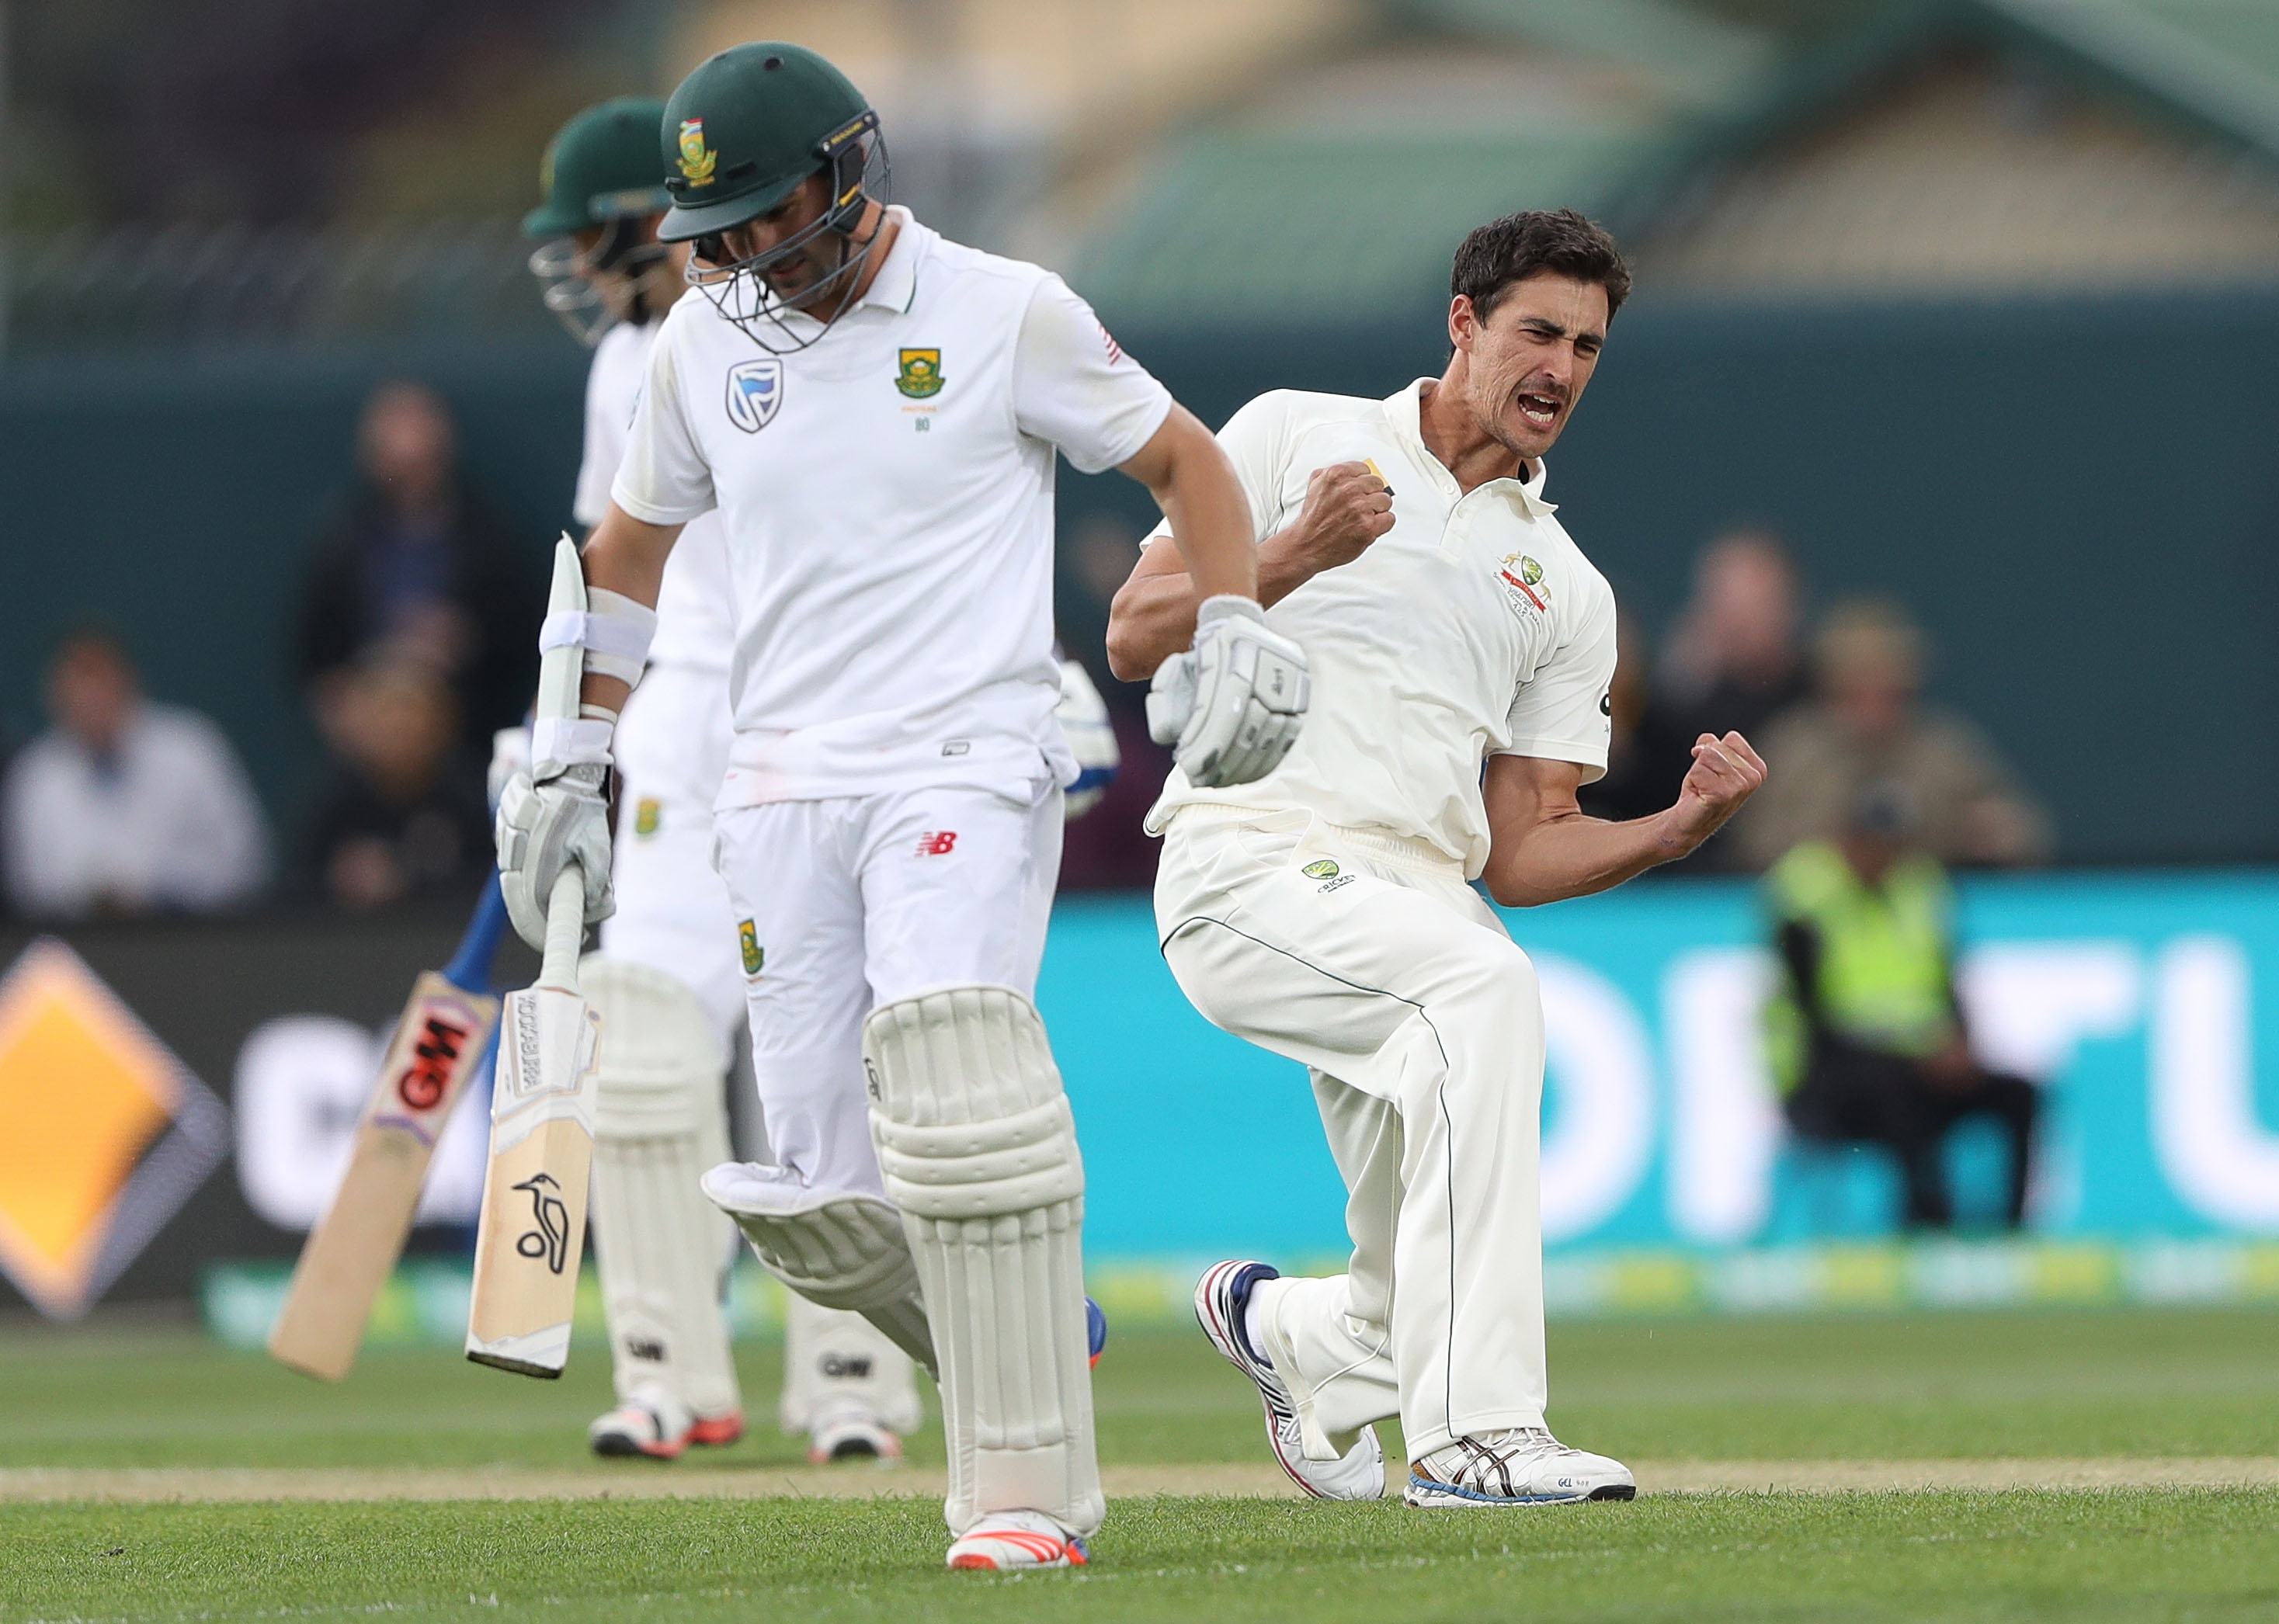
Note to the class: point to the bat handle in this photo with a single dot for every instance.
(470, 968)
(566, 929)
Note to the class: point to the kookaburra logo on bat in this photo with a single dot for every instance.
(550, 1239)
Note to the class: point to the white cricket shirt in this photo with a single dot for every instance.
(695, 623)
(886, 494)
(1474, 627)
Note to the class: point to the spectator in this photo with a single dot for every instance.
(402, 814)
(125, 806)
(1732, 662)
(1643, 769)
(1865, 1035)
(1867, 725)
(1730, 665)
(421, 563)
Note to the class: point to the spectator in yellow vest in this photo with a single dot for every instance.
(1865, 1036)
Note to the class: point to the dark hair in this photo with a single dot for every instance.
(1534, 241)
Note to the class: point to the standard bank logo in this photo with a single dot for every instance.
(755, 392)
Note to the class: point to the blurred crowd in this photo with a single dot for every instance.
(417, 607)
(415, 614)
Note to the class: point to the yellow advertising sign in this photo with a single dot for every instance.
(89, 1100)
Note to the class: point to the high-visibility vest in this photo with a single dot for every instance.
(1885, 953)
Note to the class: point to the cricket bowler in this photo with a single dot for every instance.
(869, 413)
(1462, 649)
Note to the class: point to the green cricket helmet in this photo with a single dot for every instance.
(601, 166)
(744, 132)
(601, 180)
(749, 126)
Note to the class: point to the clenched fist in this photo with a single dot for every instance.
(1348, 507)
(1725, 773)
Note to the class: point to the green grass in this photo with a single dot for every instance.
(2137, 1558)
(2118, 1382)
(2203, 1383)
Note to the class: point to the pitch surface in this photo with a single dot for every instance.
(1826, 1404)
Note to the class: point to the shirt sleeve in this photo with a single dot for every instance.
(664, 479)
(607, 421)
(1563, 712)
(1074, 386)
(1255, 441)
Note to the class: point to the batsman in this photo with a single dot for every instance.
(871, 414)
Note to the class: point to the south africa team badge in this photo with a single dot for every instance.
(921, 374)
(754, 393)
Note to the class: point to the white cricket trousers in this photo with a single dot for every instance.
(1368, 959)
(864, 900)
(671, 746)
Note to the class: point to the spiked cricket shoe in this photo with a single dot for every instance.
(1222, 1301)
(651, 1424)
(852, 1434)
(717, 1429)
(1524, 1466)
(1008, 1541)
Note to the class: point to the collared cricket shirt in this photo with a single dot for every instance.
(695, 619)
(1474, 627)
(886, 496)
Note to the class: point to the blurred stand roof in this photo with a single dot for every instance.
(1962, 148)
(1292, 162)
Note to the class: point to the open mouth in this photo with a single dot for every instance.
(1540, 409)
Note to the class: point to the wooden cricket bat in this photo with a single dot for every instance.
(440, 1043)
(531, 1233)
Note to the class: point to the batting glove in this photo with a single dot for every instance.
(543, 826)
(1091, 735)
(1231, 706)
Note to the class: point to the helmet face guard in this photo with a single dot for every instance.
(855, 158)
(624, 276)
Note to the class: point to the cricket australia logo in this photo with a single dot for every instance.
(754, 393)
(550, 1240)
(1520, 576)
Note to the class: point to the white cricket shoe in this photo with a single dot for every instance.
(1008, 1541)
(1525, 1466)
(652, 1423)
(852, 1434)
(1222, 1299)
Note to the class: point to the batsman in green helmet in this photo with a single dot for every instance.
(668, 979)
(777, 175)
(872, 416)
(598, 257)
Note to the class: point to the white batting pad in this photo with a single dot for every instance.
(839, 1251)
(978, 1149)
(835, 1360)
(660, 1119)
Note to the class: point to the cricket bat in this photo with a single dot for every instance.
(440, 1043)
(532, 1232)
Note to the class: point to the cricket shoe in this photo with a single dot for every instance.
(1222, 1303)
(1010, 1541)
(651, 1424)
(1524, 1466)
(716, 1431)
(852, 1434)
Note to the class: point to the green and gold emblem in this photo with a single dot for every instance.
(921, 374)
(1321, 868)
(697, 160)
(645, 814)
(1530, 570)
(747, 937)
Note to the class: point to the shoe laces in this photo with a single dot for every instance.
(1485, 1463)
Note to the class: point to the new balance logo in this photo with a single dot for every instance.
(933, 844)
